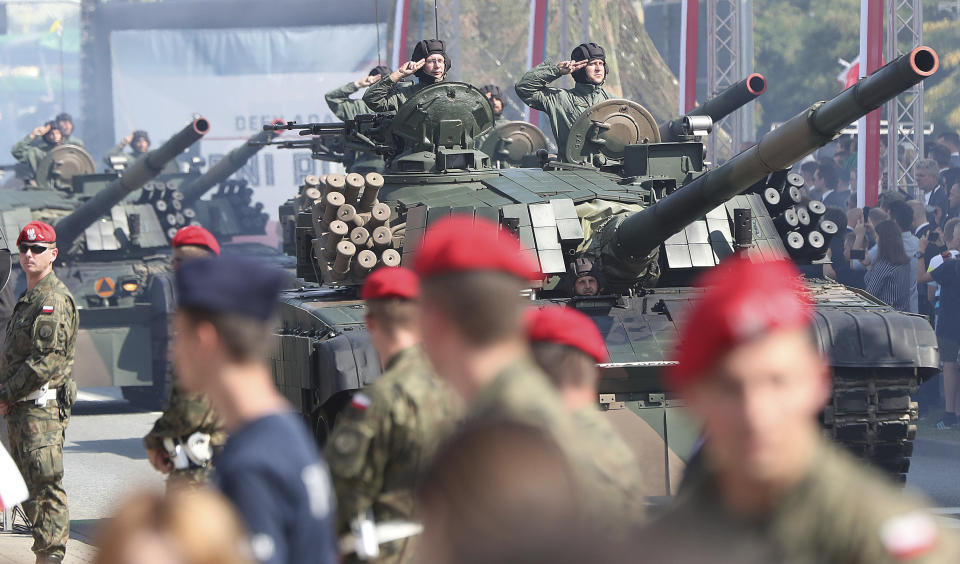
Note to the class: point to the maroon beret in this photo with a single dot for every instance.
(37, 232)
(566, 326)
(197, 236)
(391, 282)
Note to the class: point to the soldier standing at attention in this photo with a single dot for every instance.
(346, 108)
(429, 63)
(568, 347)
(772, 489)
(385, 437)
(270, 467)
(588, 66)
(37, 390)
(187, 416)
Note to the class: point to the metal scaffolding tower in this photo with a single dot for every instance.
(729, 59)
(905, 112)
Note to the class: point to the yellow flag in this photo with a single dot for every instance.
(56, 26)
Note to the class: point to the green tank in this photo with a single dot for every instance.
(114, 237)
(647, 212)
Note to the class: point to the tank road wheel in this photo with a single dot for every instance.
(871, 414)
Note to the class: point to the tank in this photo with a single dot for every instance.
(114, 237)
(648, 213)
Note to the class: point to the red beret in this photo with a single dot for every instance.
(37, 232)
(195, 235)
(391, 282)
(462, 243)
(743, 300)
(566, 326)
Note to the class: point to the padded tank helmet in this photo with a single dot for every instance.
(424, 49)
(588, 52)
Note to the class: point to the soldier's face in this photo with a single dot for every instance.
(66, 127)
(140, 144)
(54, 136)
(596, 71)
(586, 286)
(34, 263)
(435, 66)
(759, 406)
(497, 105)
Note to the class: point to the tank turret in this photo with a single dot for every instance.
(142, 171)
(638, 237)
(720, 106)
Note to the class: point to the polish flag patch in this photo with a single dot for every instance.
(910, 535)
(47, 309)
(360, 401)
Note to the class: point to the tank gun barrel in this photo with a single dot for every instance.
(143, 169)
(641, 233)
(720, 106)
(229, 164)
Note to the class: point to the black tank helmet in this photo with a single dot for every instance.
(48, 136)
(380, 70)
(588, 52)
(494, 91)
(424, 49)
(137, 135)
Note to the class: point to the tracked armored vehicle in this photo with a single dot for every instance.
(636, 198)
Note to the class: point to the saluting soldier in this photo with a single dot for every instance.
(568, 347)
(429, 63)
(347, 108)
(30, 154)
(386, 436)
(772, 488)
(588, 66)
(37, 390)
(187, 415)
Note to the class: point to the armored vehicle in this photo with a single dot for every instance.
(647, 212)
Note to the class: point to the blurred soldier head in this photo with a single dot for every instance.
(192, 242)
(54, 136)
(37, 245)
(596, 70)
(495, 95)
(65, 123)
(501, 492)
(751, 374)
(927, 174)
(185, 526)
(475, 274)
(392, 296)
(140, 142)
(568, 346)
(585, 277)
(436, 61)
(222, 323)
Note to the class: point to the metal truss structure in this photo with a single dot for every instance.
(729, 59)
(904, 27)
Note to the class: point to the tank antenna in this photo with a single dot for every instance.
(436, 21)
(376, 13)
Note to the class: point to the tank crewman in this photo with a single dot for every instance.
(270, 467)
(772, 489)
(346, 108)
(588, 66)
(429, 63)
(474, 333)
(495, 95)
(37, 391)
(187, 416)
(26, 152)
(568, 347)
(585, 278)
(385, 437)
(139, 143)
(65, 124)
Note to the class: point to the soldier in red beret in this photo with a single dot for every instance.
(385, 437)
(37, 390)
(187, 414)
(772, 488)
(568, 347)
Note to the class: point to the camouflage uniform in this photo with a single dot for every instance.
(186, 414)
(376, 452)
(840, 512)
(562, 106)
(41, 339)
(346, 108)
(385, 95)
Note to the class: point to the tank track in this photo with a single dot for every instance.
(871, 413)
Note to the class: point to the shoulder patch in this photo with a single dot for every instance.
(360, 401)
(909, 535)
(47, 308)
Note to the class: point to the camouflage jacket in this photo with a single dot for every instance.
(841, 512)
(342, 105)
(562, 106)
(41, 340)
(385, 95)
(383, 440)
(185, 414)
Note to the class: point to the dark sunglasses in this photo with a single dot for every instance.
(36, 249)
